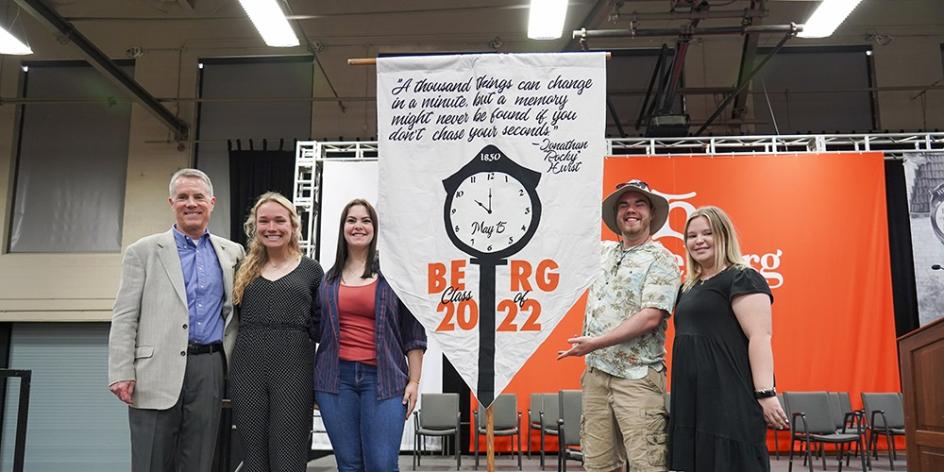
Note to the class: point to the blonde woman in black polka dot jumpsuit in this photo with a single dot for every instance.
(272, 362)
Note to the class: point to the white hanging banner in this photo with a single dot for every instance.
(924, 180)
(490, 174)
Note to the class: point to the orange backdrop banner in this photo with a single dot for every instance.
(814, 225)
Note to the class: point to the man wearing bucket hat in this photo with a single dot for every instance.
(624, 337)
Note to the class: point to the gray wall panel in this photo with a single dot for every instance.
(70, 181)
(75, 423)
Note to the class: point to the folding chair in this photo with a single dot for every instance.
(506, 419)
(571, 409)
(549, 417)
(886, 416)
(534, 416)
(438, 416)
(812, 422)
(777, 431)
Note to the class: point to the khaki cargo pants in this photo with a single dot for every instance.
(623, 420)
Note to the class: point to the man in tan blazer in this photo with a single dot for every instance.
(171, 324)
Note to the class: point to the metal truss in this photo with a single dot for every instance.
(307, 187)
(310, 154)
(892, 144)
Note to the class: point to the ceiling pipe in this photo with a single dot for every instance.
(109, 69)
(707, 31)
(702, 15)
(748, 56)
(743, 84)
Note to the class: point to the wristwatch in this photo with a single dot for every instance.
(765, 393)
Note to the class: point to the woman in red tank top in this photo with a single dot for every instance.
(370, 352)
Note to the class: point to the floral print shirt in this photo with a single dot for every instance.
(644, 276)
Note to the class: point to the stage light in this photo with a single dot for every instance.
(271, 22)
(827, 17)
(546, 19)
(10, 45)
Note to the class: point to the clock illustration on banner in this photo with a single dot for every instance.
(937, 212)
(491, 212)
(492, 207)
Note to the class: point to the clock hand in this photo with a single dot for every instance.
(489, 201)
(489, 210)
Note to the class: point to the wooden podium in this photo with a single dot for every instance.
(921, 356)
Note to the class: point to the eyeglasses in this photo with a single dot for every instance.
(634, 183)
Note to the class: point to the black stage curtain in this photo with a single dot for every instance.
(904, 295)
(253, 172)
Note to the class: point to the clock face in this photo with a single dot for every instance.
(490, 211)
(937, 219)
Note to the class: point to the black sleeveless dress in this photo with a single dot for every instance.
(715, 424)
(272, 369)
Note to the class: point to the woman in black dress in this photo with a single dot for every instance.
(275, 289)
(723, 394)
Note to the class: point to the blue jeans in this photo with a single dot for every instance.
(365, 432)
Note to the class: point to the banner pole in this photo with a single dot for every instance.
(490, 439)
(370, 61)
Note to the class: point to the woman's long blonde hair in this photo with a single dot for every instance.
(724, 239)
(256, 257)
